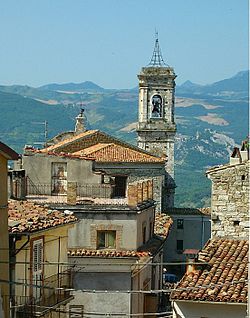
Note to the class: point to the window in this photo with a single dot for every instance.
(120, 186)
(179, 246)
(37, 267)
(106, 239)
(180, 224)
(156, 106)
(236, 223)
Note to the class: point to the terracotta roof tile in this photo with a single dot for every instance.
(81, 252)
(8, 152)
(163, 224)
(222, 278)
(188, 211)
(69, 140)
(57, 154)
(101, 144)
(26, 216)
(116, 153)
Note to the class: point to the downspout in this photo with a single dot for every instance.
(202, 231)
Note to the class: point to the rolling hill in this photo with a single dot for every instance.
(211, 119)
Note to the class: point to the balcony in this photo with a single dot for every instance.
(50, 297)
(85, 194)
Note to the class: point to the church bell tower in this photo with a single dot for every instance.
(156, 125)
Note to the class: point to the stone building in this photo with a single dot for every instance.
(156, 124)
(230, 196)
(216, 281)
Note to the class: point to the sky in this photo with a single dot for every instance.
(108, 41)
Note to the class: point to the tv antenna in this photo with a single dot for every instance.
(45, 132)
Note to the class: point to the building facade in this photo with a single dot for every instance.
(216, 282)
(6, 154)
(191, 229)
(230, 196)
(156, 124)
(117, 251)
(95, 161)
(39, 274)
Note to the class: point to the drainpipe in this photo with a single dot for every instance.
(202, 231)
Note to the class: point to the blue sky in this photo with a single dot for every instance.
(108, 41)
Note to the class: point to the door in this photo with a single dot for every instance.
(59, 178)
(120, 186)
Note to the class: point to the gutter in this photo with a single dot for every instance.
(208, 302)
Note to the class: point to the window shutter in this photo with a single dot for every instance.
(37, 256)
(37, 268)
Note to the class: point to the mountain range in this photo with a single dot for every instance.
(211, 120)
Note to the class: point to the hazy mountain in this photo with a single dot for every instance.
(236, 86)
(73, 87)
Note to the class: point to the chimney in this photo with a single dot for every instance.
(191, 258)
(244, 151)
(236, 156)
(80, 122)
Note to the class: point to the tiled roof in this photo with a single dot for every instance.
(26, 216)
(103, 147)
(69, 140)
(111, 152)
(7, 152)
(163, 223)
(32, 150)
(80, 252)
(222, 277)
(188, 211)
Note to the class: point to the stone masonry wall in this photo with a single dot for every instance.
(230, 201)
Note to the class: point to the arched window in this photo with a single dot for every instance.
(156, 102)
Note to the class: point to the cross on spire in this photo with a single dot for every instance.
(157, 59)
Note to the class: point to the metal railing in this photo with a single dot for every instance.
(52, 292)
(85, 193)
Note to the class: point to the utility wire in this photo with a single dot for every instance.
(153, 291)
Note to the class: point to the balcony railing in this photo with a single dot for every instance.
(85, 193)
(54, 291)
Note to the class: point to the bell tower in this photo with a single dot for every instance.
(156, 125)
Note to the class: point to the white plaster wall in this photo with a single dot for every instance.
(80, 236)
(144, 218)
(104, 303)
(198, 310)
(38, 169)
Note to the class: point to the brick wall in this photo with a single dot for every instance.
(140, 191)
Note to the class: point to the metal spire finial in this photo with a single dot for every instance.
(157, 59)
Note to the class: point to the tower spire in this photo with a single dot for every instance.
(157, 59)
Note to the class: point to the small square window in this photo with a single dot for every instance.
(236, 223)
(180, 224)
(106, 239)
